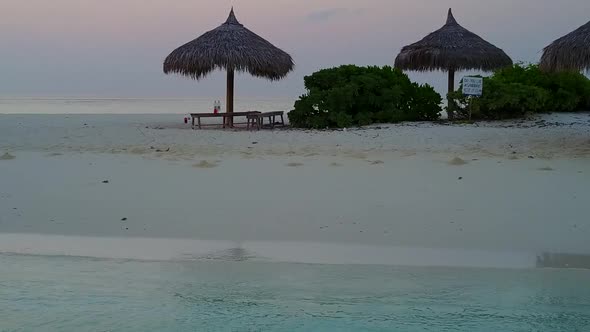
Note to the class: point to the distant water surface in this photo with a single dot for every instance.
(65, 105)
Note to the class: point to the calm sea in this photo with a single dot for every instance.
(81, 294)
(134, 105)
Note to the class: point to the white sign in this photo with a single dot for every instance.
(472, 86)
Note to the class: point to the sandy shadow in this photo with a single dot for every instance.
(248, 155)
(357, 155)
(376, 162)
(457, 162)
(408, 154)
(294, 164)
(334, 164)
(7, 156)
(547, 169)
(206, 164)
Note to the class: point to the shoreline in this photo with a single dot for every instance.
(314, 253)
(191, 250)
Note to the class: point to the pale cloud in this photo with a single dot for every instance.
(326, 14)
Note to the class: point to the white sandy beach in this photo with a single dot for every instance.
(519, 187)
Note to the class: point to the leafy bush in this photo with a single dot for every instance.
(501, 100)
(355, 96)
(516, 90)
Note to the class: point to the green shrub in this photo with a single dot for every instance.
(356, 96)
(513, 91)
(567, 91)
(501, 101)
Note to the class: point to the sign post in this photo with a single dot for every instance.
(472, 87)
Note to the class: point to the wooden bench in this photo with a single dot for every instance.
(256, 120)
(227, 118)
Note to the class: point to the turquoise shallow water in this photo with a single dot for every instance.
(40, 293)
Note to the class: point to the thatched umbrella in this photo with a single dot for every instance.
(451, 48)
(231, 47)
(568, 53)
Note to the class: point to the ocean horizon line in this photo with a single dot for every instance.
(139, 98)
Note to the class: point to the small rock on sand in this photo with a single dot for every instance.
(377, 162)
(457, 162)
(7, 156)
(105, 181)
(205, 164)
(123, 219)
(294, 164)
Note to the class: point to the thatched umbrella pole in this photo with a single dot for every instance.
(230, 94)
(451, 80)
(450, 110)
(568, 53)
(231, 47)
(230, 91)
(451, 48)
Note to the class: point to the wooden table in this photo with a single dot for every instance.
(256, 120)
(226, 117)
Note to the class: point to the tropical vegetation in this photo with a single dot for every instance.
(520, 89)
(350, 95)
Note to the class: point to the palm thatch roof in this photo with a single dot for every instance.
(568, 53)
(230, 46)
(452, 47)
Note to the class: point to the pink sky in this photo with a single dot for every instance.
(116, 47)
